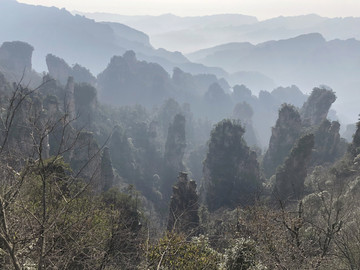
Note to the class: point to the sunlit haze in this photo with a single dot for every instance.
(259, 8)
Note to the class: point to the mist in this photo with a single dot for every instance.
(221, 132)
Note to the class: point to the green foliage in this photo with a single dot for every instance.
(123, 247)
(173, 251)
(61, 212)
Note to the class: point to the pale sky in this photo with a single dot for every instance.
(263, 9)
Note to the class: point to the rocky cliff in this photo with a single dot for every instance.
(61, 71)
(316, 108)
(284, 135)
(231, 175)
(290, 177)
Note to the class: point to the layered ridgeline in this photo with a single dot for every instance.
(189, 34)
(129, 81)
(305, 61)
(81, 40)
(294, 57)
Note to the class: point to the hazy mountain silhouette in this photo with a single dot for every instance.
(81, 40)
(306, 60)
(183, 33)
(189, 34)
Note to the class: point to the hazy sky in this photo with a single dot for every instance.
(262, 9)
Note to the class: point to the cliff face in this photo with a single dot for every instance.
(16, 57)
(85, 101)
(312, 119)
(61, 71)
(290, 177)
(15, 63)
(58, 68)
(284, 135)
(316, 108)
(328, 145)
(184, 206)
(231, 174)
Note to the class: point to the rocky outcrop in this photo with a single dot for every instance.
(15, 57)
(58, 68)
(85, 99)
(83, 75)
(284, 135)
(328, 145)
(290, 177)
(231, 175)
(61, 71)
(316, 108)
(184, 206)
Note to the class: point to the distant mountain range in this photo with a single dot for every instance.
(81, 40)
(301, 60)
(188, 34)
(306, 50)
(306, 61)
